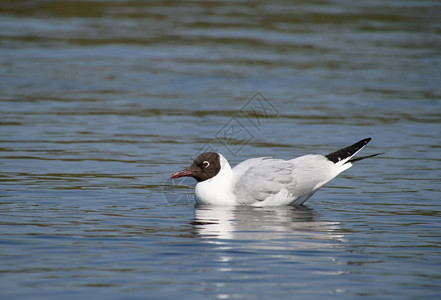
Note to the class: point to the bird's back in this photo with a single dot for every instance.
(264, 181)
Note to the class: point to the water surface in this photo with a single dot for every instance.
(101, 101)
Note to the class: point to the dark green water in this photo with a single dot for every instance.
(101, 101)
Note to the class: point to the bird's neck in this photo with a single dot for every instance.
(216, 190)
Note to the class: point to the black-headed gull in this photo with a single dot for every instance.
(265, 181)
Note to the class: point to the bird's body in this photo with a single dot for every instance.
(266, 181)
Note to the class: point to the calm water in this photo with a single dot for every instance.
(101, 101)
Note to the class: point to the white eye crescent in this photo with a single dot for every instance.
(205, 164)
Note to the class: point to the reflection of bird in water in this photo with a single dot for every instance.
(245, 242)
(274, 227)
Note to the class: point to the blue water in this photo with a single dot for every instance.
(100, 102)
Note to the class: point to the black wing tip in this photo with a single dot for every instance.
(349, 151)
(363, 157)
(361, 143)
(366, 140)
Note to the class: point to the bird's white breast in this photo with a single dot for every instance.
(217, 190)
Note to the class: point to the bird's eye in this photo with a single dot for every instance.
(205, 164)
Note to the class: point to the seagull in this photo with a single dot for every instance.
(266, 181)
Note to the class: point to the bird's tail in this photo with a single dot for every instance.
(344, 156)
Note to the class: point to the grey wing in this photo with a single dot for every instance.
(259, 178)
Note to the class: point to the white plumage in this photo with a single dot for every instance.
(266, 181)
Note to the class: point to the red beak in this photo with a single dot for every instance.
(182, 174)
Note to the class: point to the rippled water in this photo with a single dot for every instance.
(101, 101)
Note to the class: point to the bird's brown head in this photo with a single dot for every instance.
(204, 167)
